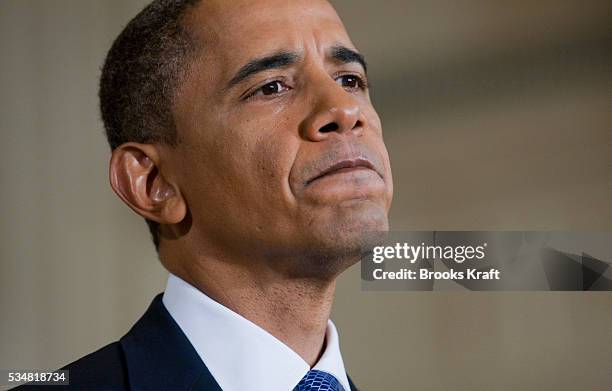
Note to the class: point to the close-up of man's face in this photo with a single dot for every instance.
(280, 150)
(199, 195)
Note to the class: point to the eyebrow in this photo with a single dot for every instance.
(345, 55)
(273, 61)
(284, 59)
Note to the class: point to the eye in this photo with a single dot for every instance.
(351, 82)
(272, 88)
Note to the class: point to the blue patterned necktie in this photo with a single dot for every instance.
(318, 381)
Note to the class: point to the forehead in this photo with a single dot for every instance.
(235, 31)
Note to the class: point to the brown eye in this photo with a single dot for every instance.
(269, 90)
(350, 81)
(272, 88)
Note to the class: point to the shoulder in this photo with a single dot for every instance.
(103, 369)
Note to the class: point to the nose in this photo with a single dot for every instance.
(334, 111)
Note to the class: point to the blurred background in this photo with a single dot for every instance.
(497, 116)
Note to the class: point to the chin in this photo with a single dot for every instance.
(341, 237)
(356, 228)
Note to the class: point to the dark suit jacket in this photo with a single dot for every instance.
(153, 355)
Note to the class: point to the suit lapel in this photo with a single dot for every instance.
(160, 357)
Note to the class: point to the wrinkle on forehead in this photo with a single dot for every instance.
(240, 28)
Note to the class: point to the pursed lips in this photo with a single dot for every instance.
(344, 166)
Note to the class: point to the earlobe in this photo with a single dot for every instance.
(135, 177)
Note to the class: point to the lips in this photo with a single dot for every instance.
(343, 166)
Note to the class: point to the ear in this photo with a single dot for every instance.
(136, 178)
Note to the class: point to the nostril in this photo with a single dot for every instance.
(330, 127)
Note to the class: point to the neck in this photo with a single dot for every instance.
(293, 310)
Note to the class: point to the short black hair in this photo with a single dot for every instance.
(140, 75)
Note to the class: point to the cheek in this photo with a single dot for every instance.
(377, 140)
(274, 155)
(271, 134)
(268, 147)
(372, 118)
(388, 175)
(268, 161)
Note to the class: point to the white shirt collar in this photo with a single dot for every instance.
(239, 354)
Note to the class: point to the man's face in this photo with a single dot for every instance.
(281, 152)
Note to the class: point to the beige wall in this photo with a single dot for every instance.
(497, 116)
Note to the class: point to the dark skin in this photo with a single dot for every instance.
(280, 170)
